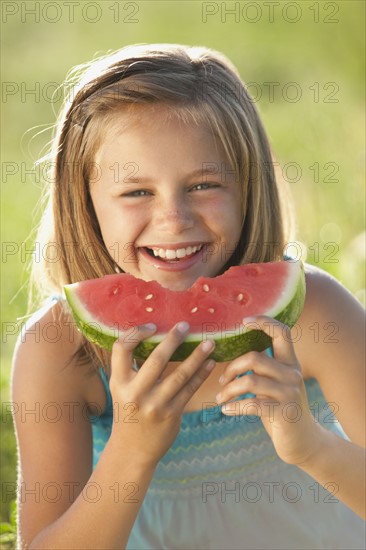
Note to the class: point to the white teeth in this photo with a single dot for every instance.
(173, 254)
(170, 254)
(181, 252)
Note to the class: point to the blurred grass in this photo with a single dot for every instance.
(304, 132)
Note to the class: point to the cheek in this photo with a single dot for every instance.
(108, 211)
(121, 225)
(226, 214)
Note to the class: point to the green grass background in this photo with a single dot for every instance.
(321, 51)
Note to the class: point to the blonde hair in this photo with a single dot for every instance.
(202, 87)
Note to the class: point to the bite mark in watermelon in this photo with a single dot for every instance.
(214, 307)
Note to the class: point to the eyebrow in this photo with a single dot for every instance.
(199, 172)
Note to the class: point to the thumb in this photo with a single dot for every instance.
(283, 348)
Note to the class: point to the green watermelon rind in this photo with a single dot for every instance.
(227, 347)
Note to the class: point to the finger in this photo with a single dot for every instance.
(251, 407)
(254, 361)
(122, 351)
(158, 359)
(261, 386)
(266, 409)
(189, 389)
(185, 380)
(283, 348)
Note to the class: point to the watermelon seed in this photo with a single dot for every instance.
(211, 310)
(194, 309)
(149, 309)
(243, 298)
(206, 288)
(148, 297)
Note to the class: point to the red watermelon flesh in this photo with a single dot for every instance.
(103, 307)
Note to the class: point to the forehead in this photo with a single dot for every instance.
(144, 130)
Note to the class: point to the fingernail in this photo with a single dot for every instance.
(249, 320)
(148, 326)
(207, 345)
(233, 407)
(221, 379)
(182, 327)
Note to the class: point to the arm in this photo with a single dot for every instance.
(338, 366)
(55, 458)
(338, 363)
(341, 463)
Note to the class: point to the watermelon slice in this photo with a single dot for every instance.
(214, 307)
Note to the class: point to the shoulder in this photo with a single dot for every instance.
(330, 345)
(320, 281)
(327, 300)
(44, 362)
(333, 320)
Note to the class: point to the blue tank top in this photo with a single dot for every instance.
(222, 485)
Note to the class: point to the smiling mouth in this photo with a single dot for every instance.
(173, 256)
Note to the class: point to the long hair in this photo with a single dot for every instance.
(202, 87)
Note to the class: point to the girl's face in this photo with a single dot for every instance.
(167, 201)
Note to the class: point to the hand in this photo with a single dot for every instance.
(150, 409)
(280, 395)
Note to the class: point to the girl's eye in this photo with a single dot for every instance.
(201, 186)
(137, 193)
(144, 193)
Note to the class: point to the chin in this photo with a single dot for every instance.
(179, 282)
(176, 285)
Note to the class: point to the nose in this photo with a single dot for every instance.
(173, 215)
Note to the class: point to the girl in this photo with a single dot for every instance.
(161, 154)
